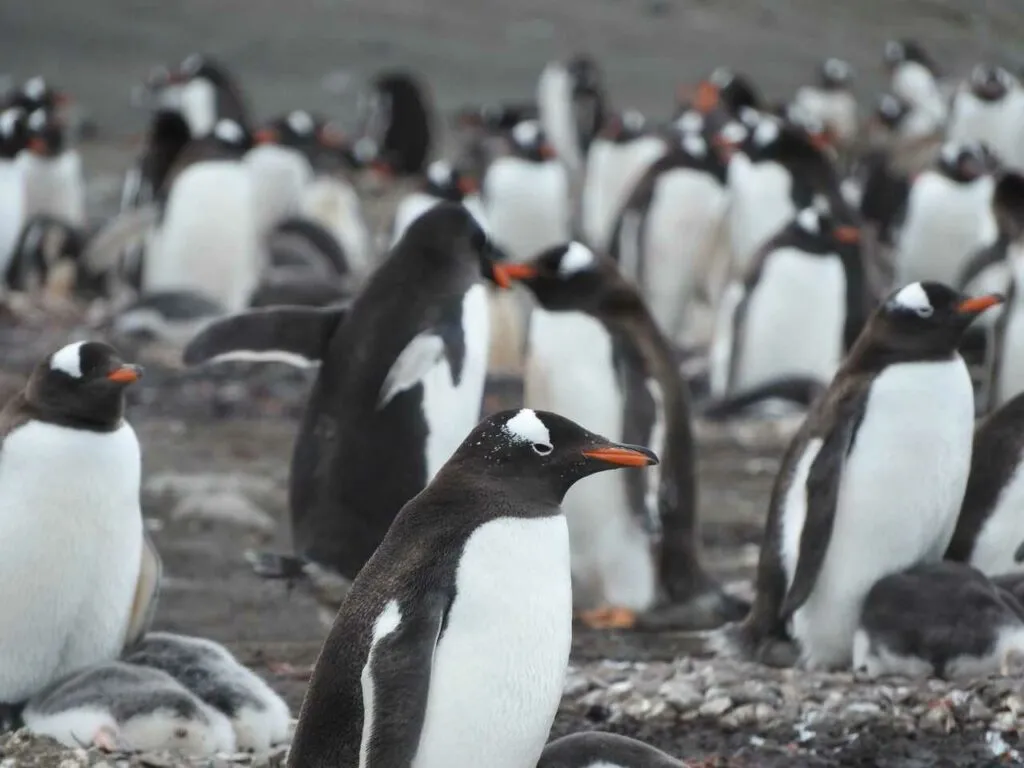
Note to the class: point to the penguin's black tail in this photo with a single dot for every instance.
(801, 390)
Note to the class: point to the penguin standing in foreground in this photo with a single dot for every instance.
(401, 372)
(595, 354)
(260, 718)
(452, 646)
(788, 321)
(120, 707)
(938, 619)
(571, 106)
(75, 566)
(873, 481)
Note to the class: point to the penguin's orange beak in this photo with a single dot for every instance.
(266, 136)
(37, 145)
(847, 234)
(979, 304)
(547, 151)
(821, 141)
(623, 455)
(706, 98)
(126, 374)
(467, 186)
(331, 137)
(505, 274)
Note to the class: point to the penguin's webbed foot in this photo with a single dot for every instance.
(608, 617)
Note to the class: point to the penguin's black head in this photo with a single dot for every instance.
(962, 162)
(899, 52)
(625, 126)
(725, 90)
(540, 454)
(584, 72)
(445, 181)
(568, 277)
(449, 231)
(920, 321)
(82, 384)
(199, 66)
(835, 74)
(891, 110)
(35, 93)
(231, 136)
(45, 133)
(529, 142)
(13, 131)
(989, 82)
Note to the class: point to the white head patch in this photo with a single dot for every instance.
(525, 427)
(766, 132)
(526, 133)
(750, 117)
(695, 145)
(577, 257)
(301, 122)
(37, 120)
(8, 120)
(690, 121)
(35, 87)
(69, 360)
(439, 173)
(633, 120)
(721, 77)
(913, 297)
(229, 131)
(808, 221)
(734, 132)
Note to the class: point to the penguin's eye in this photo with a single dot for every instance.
(925, 311)
(542, 449)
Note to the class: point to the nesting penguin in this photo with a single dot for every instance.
(452, 646)
(77, 569)
(595, 354)
(443, 182)
(571, 107)
(259, 717)
(402, 369)
(937, 619)
(948, 216)
(831, 100)
(121, 707)
(873, 481)
(989, 108)
(598, 749)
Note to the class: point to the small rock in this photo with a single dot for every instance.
(977, 711)
(680, 694)
(739, 717)
(938, 719)
(228, 507)
(764, 713)
(576, 685)
(70, 763)
(715, 707)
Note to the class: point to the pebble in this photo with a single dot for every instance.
(716, 707)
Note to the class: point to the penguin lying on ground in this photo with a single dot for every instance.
(452, 645)
(937, 619)
(595, 354)
(871, 484)
(260, 718)
(596, 749)
(402, 369)
(122, 707)
(75, 565)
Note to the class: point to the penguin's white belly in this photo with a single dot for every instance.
(570, 371)
(1003, 532)
(279, 175)
(914, 83)
(681, 229)
(452, 410)
(761, 205)
(794, 320)
(53, 186)
(334, 204)
(555, 109)
(508, 633)
(613, 170)
(899, 498)
(70, 551)
(408, 210)
(975, 120)
(527, 206)
(208, 241)
(1011, 371)
(12, 208)
(945, 224)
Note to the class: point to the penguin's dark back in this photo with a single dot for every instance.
(407, 138)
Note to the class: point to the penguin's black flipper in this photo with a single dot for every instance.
(296, 336)
(823, 483)
(801, 390)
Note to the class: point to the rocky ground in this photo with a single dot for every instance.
(216, 444)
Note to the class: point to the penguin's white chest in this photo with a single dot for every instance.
(70, 550)
(53, 186)
(570, 370)
(899, 498)
(279, 175)
(761, 205)
(451, 409)
(794, 319)
(500, 665)
(527, 205)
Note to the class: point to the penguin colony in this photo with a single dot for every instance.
(732, 256)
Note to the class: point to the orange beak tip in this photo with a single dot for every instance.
(126, 374)
(622, 456)
(847, 234)
(979, 304)
(265, 136)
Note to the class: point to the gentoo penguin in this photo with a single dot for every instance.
(203, 91)
(595, 354)
(617, 158)
(722, 95)
(397, 118)
(914, 78)
(790, 310)
(1006, 359)
(78, 571)
(168, 134)
(525, 195)
(260, 718)
(571, 106)
(333, 203)
(831, 100)
(670, 227)
(442, 181)
(120, 707)
(401, 370)
(52, 171)
(873, 481)
(36, 93)
(937, 619)
(281, 166)
(13, 139)
(948, 216)
(452, 646)
(482, 131)
(598, 749)
(990, 529)
(989, 108)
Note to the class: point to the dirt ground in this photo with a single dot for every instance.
(241, 423)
